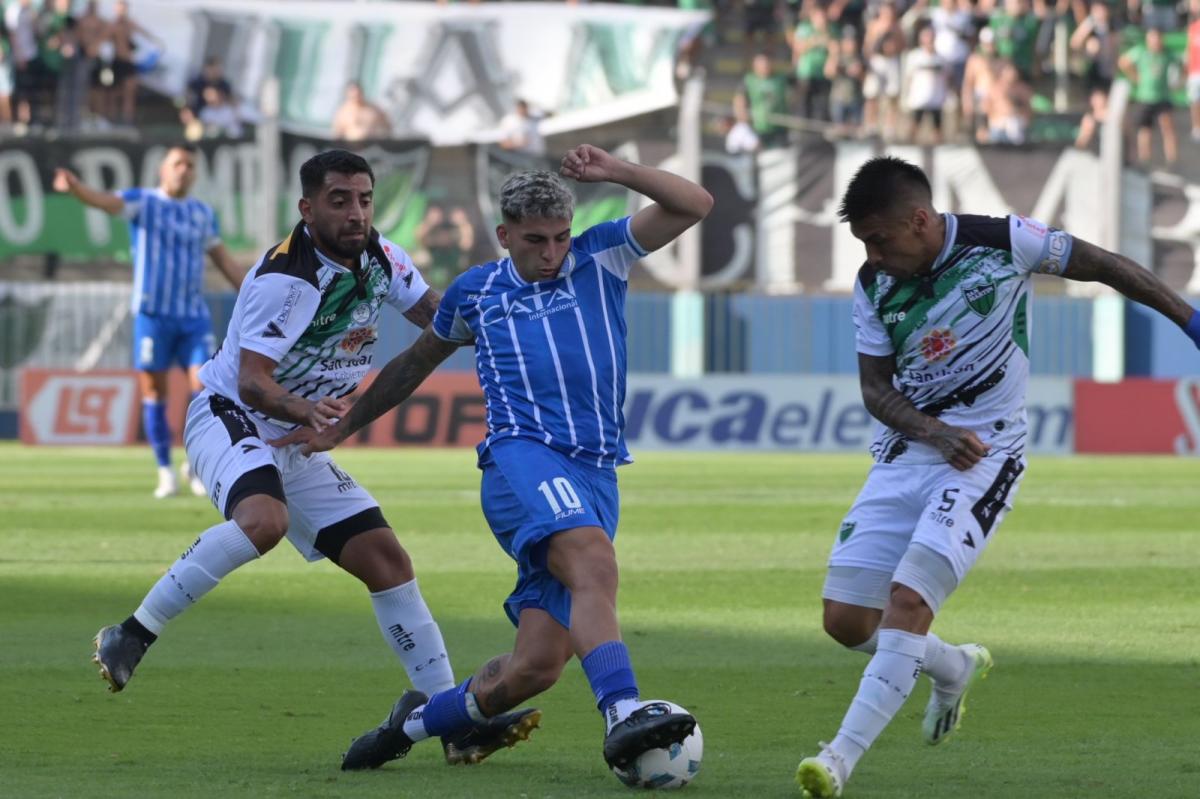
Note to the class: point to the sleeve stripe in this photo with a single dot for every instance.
(638, 248)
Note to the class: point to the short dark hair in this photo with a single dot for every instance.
(343, 162)
(186, 146)
(880, 185)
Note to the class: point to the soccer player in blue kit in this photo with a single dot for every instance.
(548, 328)
(169, 234)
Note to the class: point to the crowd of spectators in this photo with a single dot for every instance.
(65, 66)
(927, 70)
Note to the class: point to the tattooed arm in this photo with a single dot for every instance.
(258, 389)
(422, 312)
(961, 448)
(395, 383)
(1095, 264)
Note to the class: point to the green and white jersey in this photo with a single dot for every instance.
(314, 319)
(960, 334)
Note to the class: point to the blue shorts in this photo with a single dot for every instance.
(160, 342)
(530, 492)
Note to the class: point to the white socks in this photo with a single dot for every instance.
(947, 664)
(409, 628)
(886, 683)
(619, 711)
(218, 551)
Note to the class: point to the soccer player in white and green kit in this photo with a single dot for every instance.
(941, 312)
(300, 340)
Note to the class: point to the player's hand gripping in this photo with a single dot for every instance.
(961, 448)
(326, 412)
(589, 164)
(65, 180)
(310, 440)
(318, 436)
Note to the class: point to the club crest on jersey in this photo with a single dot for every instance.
(938, 343)
(846, 530)
(980, 295)
(361, 313)
(354, 339)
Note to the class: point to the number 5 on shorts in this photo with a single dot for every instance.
(566, 492)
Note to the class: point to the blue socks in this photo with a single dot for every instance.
(610, 674)
(451, 711)
(154, 420)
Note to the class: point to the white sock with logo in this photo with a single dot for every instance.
(414, 636)
(218, 551)
(886, 683)
(947, 664)
(414, 727)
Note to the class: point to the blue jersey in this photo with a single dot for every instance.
(169, 239)
(551, 355)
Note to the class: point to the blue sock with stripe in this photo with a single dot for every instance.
(154, 420)
(610, 674)
(451, 712)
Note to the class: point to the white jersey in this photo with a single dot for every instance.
(317, 322)
(960, 334)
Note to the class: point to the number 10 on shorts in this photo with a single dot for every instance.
(567, 498)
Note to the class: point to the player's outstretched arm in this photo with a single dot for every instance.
(1096, 264)
(961, 448)
(396, 382)
(227, 266)
(678, 203)
(68, 182)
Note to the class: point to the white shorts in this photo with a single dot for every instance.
(1193, 88)
(952, 513)
(224, 444)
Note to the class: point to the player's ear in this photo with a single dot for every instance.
(305, 210)
(502, 235)
(919, 219)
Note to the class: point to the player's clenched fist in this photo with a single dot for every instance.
(588, 164)
(64, 180)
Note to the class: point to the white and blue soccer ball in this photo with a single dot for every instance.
(670, 768)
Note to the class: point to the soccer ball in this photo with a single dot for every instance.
(666, 769)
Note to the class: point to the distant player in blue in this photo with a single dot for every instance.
(169, 234)
(548, 326)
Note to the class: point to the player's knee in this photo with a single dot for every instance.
(393, 561)
(847, 626)
(906, 601)
(376, 558)
(264, 523)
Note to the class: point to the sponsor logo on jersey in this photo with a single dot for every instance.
(1032, 224)
(980, 295)
(321, 321)
(356, 339)
(273, 331)
(892, 317)
(537, 305)
(289, 302)
(846, 530)
(937, 344)
(330, 364)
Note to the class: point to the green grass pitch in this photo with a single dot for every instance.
(1089, 598)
